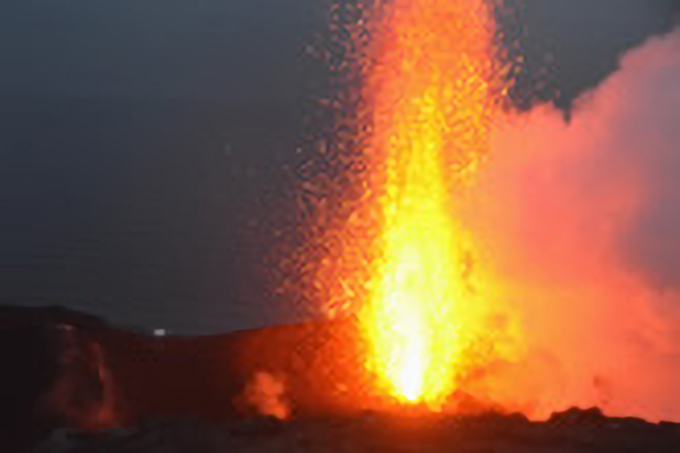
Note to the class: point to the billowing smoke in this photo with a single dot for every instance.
(583, 222)
(84, 392)
(265, 393)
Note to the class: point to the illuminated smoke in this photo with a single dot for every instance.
(266, 394)
(84, 392)
(582, 222)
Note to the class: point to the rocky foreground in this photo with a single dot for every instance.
(570, 431)
(73, 383)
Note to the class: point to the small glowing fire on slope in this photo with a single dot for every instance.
(431, 102)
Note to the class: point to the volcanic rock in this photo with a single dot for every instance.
(575, 416)
(385, 432)
(66, 369)
(36, 344)
(75, 384)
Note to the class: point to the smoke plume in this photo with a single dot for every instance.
(266, 394)
(582, 221)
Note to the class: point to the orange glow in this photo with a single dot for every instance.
(496, 287)
(431, 103)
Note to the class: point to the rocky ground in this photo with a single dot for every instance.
(571, 431)
(70, 379)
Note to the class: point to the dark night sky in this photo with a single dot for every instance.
(142, 141)
(152, 48)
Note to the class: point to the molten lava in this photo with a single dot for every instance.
(410, 319)
(431, 100)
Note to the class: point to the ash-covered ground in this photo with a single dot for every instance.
(570, 431)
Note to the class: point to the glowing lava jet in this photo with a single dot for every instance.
(431, 101)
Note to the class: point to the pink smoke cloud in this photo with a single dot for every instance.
(583, 222)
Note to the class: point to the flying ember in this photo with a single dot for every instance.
(430, 98)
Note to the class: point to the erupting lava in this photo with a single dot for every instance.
(430, 99)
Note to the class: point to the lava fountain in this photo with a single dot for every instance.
(430, 100)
